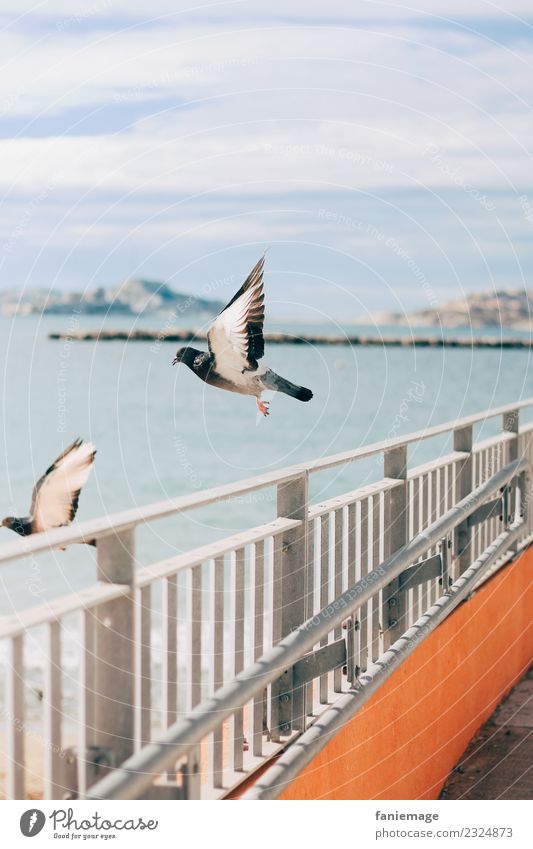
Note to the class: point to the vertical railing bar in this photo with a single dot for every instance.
(415, 511)
(277, 594)
(478, 529)
(443, 489)
(258, 721)
(15, 778)
(365, 556)
(435, 512)
(86, 729)
(410, 519)
(191, 770)
(498, 461)
(53, 761)
(276, 630)
(484, 526)
(376, 624)
(477, 474)
(309, 607)
(352, 579)
(196, 635)
(425, 507)
(489, 525)
(143, 666)
(421, 525)
(324, 595)
(217, 653)
(238, 666)
(169, 649)
(337, 588)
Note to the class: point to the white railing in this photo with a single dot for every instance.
(224, 606)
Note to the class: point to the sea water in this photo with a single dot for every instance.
(160, 432)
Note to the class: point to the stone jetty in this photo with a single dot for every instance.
(279, 338)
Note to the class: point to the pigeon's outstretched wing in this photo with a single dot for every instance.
(235, 337)
(55, 495)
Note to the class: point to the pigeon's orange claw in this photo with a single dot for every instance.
(263, 406)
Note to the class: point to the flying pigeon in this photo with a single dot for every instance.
(235, 340)
(55, 496)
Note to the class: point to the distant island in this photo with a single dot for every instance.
(507, 308)
(512, 308)
(133, 297)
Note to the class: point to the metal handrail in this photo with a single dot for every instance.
(117, 523)
(137, 773)
(291, 762)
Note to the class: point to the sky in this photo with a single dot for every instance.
(380, 150)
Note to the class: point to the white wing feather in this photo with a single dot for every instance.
(228, 336)
(236, 336)
(56, 498)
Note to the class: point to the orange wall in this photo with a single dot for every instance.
(405, 741)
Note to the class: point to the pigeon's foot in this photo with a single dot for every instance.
(263, 406)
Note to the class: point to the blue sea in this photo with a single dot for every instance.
(160, 432)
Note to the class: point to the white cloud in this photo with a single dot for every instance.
(258, 114)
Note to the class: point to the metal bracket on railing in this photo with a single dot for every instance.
(311, 666)
(445, 552)
(490, 510)
(421, 572)
(351, 670)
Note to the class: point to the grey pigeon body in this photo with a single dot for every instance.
(56, 494)
(236, 344)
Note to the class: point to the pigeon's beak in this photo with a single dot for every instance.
(174, 361)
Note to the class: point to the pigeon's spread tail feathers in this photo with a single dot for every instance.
(303, 394)
(271, 380)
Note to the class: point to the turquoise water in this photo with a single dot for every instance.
(160, 432)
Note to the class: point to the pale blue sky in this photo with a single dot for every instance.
(382, 149)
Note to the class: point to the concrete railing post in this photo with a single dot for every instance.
(114, 650)
(396, 533)
(288, 705)
(510, 424)
(463, 441)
